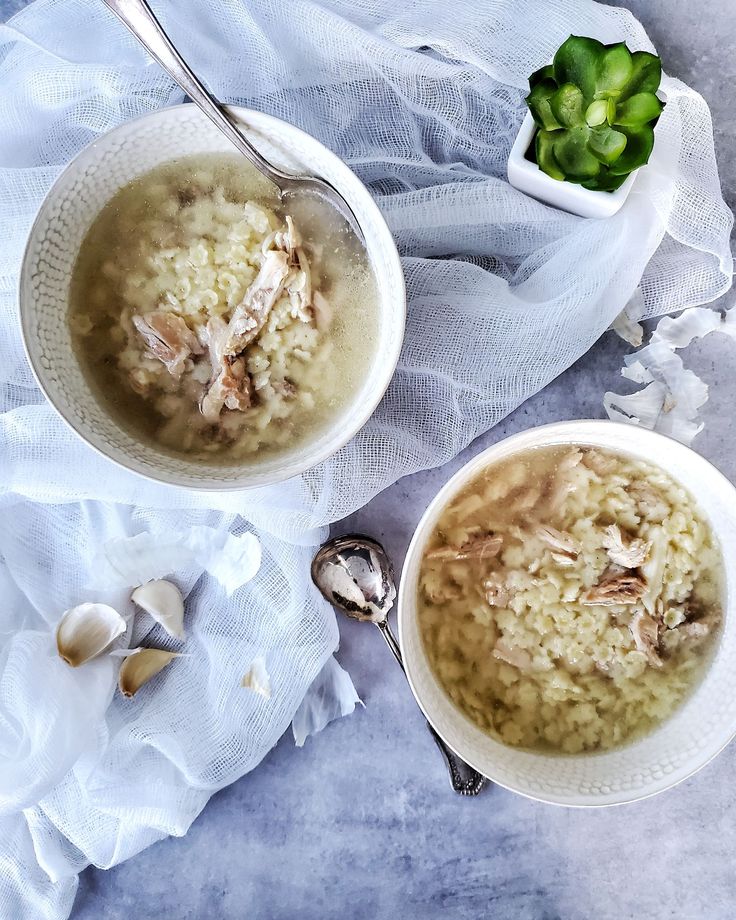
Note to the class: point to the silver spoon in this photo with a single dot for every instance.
(355, 575)
(139, 18)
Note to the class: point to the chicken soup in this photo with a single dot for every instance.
(570, 599)
(214, 322)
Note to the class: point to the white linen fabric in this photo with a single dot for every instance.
(423, 100)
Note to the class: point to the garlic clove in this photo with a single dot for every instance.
(137, 669)
(257, 678)
(163, 601)
(86, 631)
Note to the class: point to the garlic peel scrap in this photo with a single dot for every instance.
(137, 669)
(163, 601)
(124, 652)
(86, 630)
(257, 678)
(671, 400)
(628, 329)
(331, 695)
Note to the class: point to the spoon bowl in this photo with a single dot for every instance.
(355, 575)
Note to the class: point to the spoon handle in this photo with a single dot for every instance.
(474, 781)
(138, 16)
(391, 642)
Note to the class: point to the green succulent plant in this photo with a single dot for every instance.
(595, 108)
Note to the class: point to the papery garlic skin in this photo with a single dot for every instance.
(137, 669)
(85, 631)
(257, 678)
(162, 600)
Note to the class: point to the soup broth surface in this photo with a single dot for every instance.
(570, 599)
(214, 322)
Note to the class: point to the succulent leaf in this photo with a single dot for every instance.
(538, 101)
(605, 181)
(596, 112)
(606, 144)
(615, 66)
(544, 73)
(544, 149)
(576, 61)
(639, 144)
(572, 154)
(638, 110)
(568, 106)
(645, 76)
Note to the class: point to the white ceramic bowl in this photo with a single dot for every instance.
(678, 747)
(72, 204)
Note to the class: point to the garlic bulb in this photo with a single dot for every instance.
(163, 601)
(137, 669)
(86, 630)
(257, 678)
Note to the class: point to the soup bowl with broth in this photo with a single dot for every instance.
(192, 327)
(566, 613)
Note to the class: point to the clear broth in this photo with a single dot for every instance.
(115, 248)
(512, 634)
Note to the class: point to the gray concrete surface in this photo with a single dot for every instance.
(361, 822)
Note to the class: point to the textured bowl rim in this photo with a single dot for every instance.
(384, 368)
(543, 435)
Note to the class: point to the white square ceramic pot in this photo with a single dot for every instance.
(529, 178)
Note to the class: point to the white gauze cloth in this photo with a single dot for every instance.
(423, 101)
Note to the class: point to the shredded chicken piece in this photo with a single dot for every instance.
(645, 631)
(557, 492)
(479, 548)
(139, 381)
(285, 387)
(169, 339)
(231, 389)
(230, 386)
(598, 462)
(629, 555)
(322, 311)
(526, 499)
(299, 284)
(650, 505)
(214, 337)
(287, 240)
(571, 460)
(615, 587)
(499, 487)
(559, 541)
(298, 281)
(250, 316)
(654, 568)
(496, 592)
(516, 657)
(462, 509)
